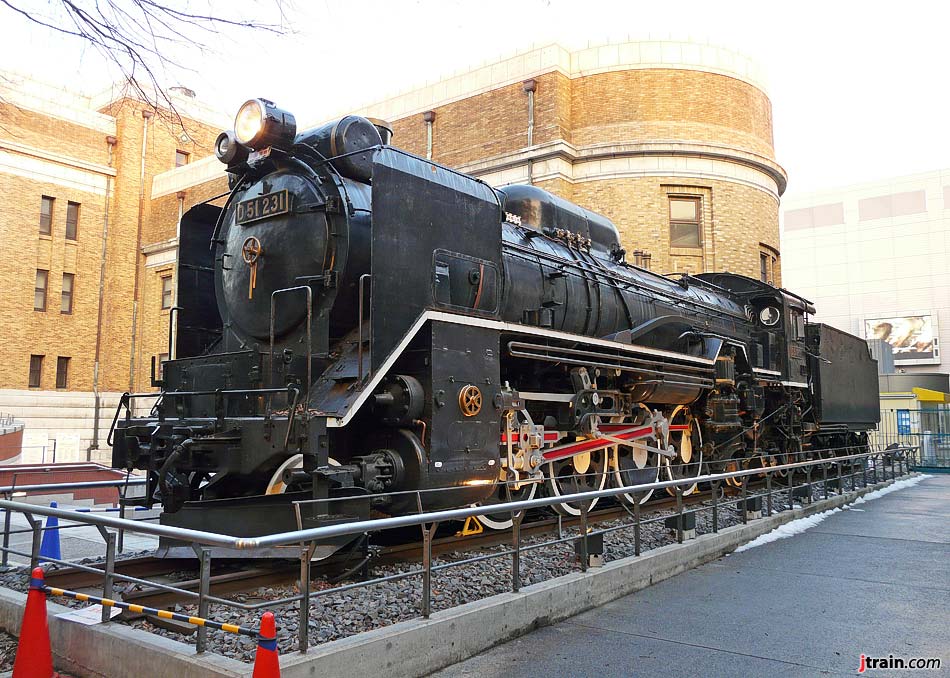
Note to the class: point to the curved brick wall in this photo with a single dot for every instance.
(670, 104)
(620, 137)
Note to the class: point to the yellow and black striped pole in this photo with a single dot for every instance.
(164, 614)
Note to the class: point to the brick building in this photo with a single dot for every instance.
(670, 140)
(76, 290)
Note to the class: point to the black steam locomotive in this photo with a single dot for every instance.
(357, 320)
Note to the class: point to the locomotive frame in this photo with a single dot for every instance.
(398, 335)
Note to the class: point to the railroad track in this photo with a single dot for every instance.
(412, 551)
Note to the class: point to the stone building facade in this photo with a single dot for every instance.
(670, 140)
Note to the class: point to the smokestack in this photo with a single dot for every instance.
(384, 128)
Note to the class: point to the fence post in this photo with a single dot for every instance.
(516, 517)
(109, 576)
(303, 623)
(636, 525)
(768, 492)
(585, 559)
(679, 514)
(715, 506)
(37, 526)
(204, 589)
(427, 533)
(6, 533)
(122, 495)
(792, 485)
(744, 495)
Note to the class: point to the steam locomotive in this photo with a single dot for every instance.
(359, 329)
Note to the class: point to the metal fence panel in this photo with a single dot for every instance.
(927, 429)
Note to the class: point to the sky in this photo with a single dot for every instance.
(858, 89)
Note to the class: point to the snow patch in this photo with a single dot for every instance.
(898, 485)
(790, 529)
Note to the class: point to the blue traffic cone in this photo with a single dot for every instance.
(49, 547)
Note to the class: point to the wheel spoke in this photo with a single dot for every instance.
(503, 520)
(563, 477)
(688, 446)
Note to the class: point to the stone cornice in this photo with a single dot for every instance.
(686, 149)
(572, 63)
(58, 158)
(162, 246)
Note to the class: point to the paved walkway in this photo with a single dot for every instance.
(874, 579)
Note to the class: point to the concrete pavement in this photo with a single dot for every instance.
(872, 579)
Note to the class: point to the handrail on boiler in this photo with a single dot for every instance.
(273, 315)
(359, 338)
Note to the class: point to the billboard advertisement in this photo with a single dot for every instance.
(913, 338)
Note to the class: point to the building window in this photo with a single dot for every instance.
(768, 264)
(62, 372)
(36, 370)
(685, 218)
(181, 158)
(46, 215)
(39, 290)
(162, 359)
(167, 291)
(72, 220)
(67, 302)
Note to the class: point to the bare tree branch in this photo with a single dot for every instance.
(140, 37)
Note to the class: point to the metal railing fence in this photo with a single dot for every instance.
(834, 473)
(927, 428)
(8, 492)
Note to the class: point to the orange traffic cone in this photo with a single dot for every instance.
(34, 659)
(266, 664)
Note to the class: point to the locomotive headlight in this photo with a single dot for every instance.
(769, 316)
(259, 124)
(228, 150)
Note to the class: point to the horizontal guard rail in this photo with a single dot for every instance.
(344, 529)
(90, 484)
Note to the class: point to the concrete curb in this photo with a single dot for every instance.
(116, 650)
(411, 648)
